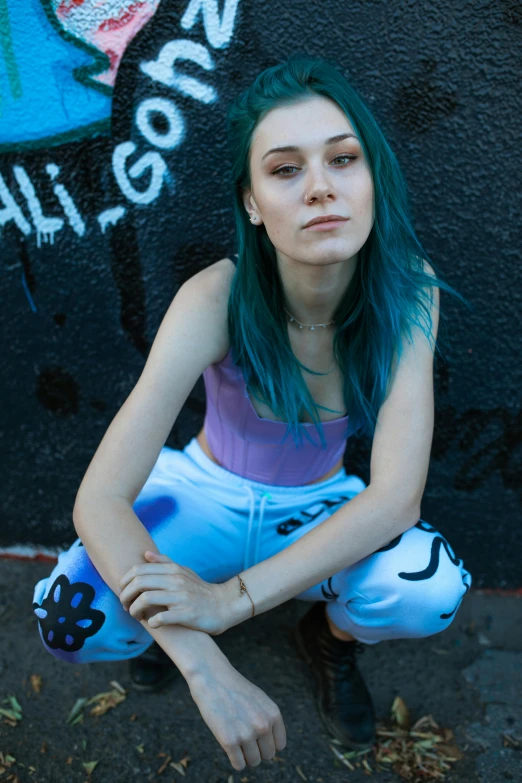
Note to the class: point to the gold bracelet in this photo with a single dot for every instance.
(242, 589)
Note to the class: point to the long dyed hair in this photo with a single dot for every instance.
(389, 292)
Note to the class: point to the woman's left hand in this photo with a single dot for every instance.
(190, 600)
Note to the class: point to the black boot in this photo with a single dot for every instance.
(151, 670)
(343, 700)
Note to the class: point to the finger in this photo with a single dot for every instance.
(279, 733)
(251, 753)
(150, 568)
(235, 755)
(140, 585)
(266, 746)
(173, 617)
(147, 600)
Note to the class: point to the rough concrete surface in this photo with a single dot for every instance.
(467, 678)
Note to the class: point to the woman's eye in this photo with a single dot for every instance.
(337, 157)
(348, 157)
(283, 168)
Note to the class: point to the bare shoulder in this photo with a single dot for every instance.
(221, 273)
(210, 290)
(434, 291)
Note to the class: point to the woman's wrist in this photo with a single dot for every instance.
(188, 649)
(238, 605)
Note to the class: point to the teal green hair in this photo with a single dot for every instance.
(389, 292)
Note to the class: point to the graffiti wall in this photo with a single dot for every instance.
(113, 191)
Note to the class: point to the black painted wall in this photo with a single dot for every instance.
(106, 208)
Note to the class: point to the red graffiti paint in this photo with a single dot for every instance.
(67, 6)
(109, 25)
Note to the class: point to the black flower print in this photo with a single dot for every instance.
(66, 616)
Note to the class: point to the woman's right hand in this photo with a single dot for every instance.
(244, 720)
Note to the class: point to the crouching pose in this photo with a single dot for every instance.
(176, 546)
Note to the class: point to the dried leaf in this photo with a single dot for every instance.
(107, 701)
(178, 767)
(425, 722)
(425, 743)
(140, 748)
(15, 706)
(510, 741)
(120, 688)
(341, 758)
(353, 753)
(418, 755)
(76, 710)
(90, 766)
(164, 766)
(36, 682)
(14, 716)
(400, 712)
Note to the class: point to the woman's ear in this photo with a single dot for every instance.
(250, 204)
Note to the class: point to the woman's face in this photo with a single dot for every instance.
(291, 187)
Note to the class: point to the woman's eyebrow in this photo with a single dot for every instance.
(293, 148)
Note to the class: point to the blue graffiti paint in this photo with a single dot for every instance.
(52, 102)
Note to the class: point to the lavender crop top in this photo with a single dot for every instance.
(250, 446)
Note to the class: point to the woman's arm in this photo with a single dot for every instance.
(360, 527)
(193, 334)
(245, 721)
(115, 540)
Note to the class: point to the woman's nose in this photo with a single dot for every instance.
(317, 186)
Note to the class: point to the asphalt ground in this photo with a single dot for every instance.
(467, 679)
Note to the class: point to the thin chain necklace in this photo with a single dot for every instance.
(312, 326)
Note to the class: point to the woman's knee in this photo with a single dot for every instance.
(436, 578)
(80, 619)
(414, 585)
(66, 615)
(432, 606)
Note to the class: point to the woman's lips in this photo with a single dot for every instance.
(326, 225)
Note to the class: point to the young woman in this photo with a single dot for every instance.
(327, 327)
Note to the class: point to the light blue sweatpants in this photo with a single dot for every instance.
(217, 523)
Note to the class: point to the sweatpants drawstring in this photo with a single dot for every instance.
(250, 521)
(266, 496)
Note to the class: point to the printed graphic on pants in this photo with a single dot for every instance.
(66, 615)
(431, 568)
